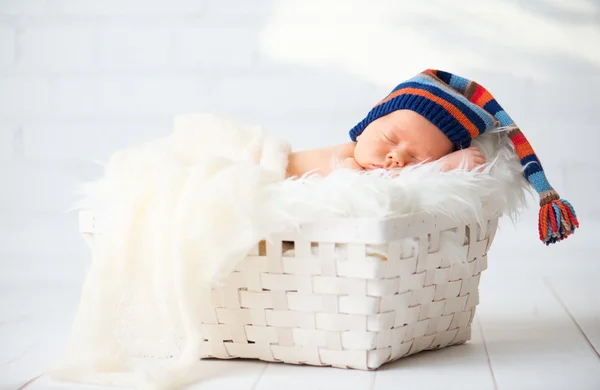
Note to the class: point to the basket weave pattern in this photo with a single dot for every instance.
(356, 311)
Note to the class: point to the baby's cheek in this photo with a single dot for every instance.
(370, 151)
(379, 151)
(358, 154)
(363, 151)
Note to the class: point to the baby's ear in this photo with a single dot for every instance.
(357, 137)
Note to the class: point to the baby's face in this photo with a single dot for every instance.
(400, 138)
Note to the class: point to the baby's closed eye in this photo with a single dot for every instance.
(389, 140)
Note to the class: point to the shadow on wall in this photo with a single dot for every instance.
(565, 12)
(377, 40)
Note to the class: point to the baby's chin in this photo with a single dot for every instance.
(363, 164)
(369, 166)
(367, 163)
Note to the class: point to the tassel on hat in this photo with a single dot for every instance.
(557, 218)
(463, 109)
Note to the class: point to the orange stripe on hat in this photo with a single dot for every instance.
(522, 146)
(481, 96)
(451, 108)
(524, 149)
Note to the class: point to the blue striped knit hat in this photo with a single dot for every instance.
(462, 110)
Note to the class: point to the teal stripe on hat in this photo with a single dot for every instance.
(458, 83)
(539, 181)
(504, 119)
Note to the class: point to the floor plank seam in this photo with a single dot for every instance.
(30, 381)
(257, 381)
(560, 301)
(22, 354)
(487, 354)
(374, 374)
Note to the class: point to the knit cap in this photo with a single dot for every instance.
(463, 110)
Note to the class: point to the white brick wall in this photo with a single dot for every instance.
(22, 96)
(237, 11)
(117, 8)
(7, 46)
(214, 46)
(36, 187)
(97, 143)
(55, 47)
(142, 96)
(280, 94)
(6, 143)
(81, 78)
(134, 47)
(583, 177)
(22, 7)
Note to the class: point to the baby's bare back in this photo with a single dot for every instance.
(321, 161)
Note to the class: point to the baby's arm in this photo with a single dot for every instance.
(320, 161)
(469, 158)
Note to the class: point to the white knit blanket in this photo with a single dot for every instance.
(178, 213)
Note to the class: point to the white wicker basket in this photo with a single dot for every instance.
(356, 311)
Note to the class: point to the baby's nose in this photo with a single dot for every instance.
(393, 161)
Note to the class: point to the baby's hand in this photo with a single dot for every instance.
(350, 163)
(468, 158)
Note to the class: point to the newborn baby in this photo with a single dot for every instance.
(398, 139)
(435, 116)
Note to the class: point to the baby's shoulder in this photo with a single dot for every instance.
(344, 150)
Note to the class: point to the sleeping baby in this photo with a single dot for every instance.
(393, 141)
(434, 116)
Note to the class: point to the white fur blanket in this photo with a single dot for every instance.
(178, 213)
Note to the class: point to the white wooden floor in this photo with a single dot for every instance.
(536, 328)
